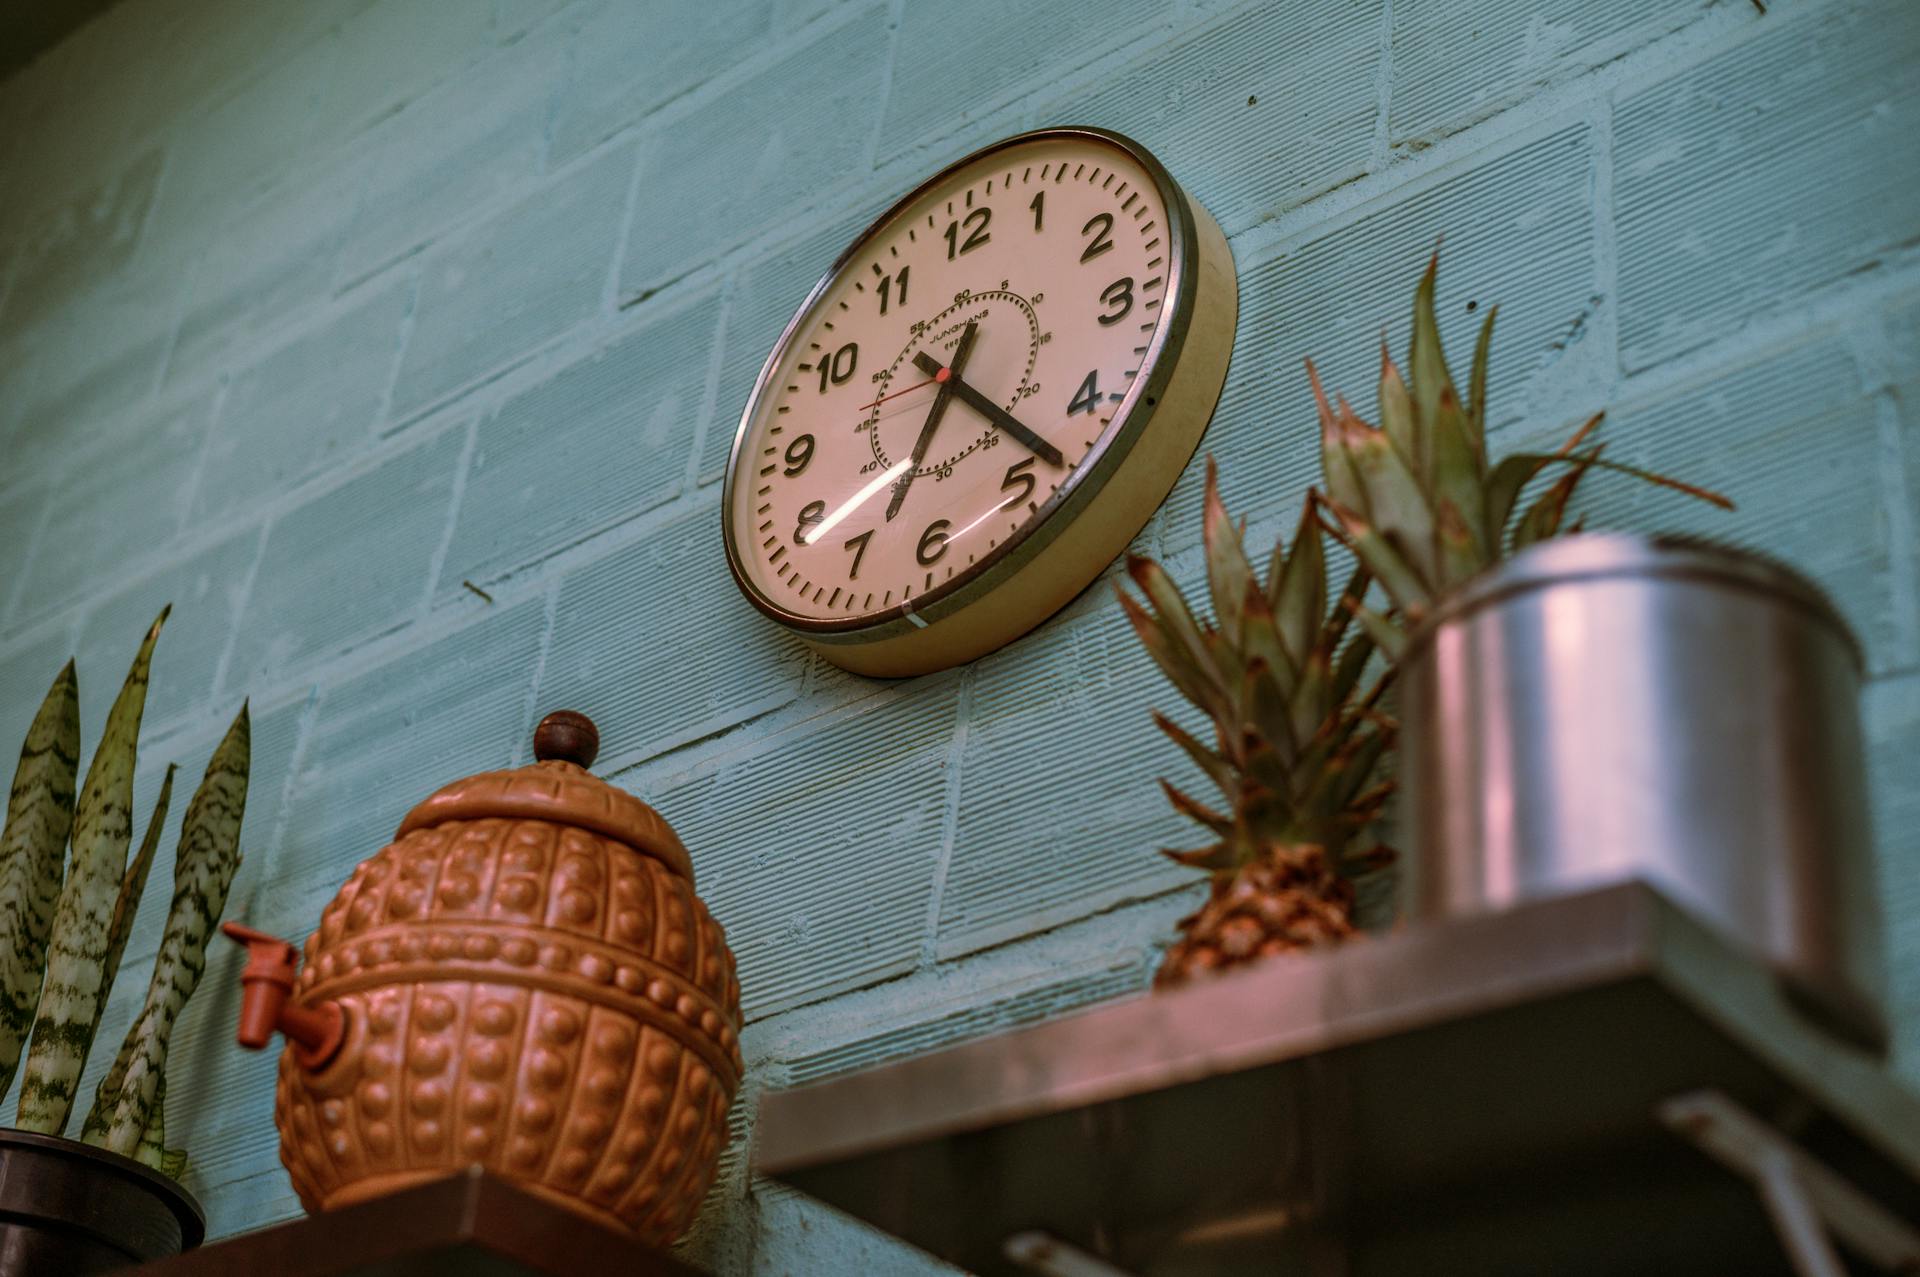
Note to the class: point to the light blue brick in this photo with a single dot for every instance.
(1253, 114)
(626, 62)
(1794, 441)
(272, 258)
(244, 141)
(117, 504)
(1026, 855)
(1777, 166)
(27, 670)
(348, 564)
(1891, 712)
(22, 508)
(994, 1011)
(382, 740)
(816, 849)
(205, 589)
(1458, 61)
(467, 142)
(749, 160)
(656, 644)
(392, 52)
(90, 237)
(307, 406)
(203, 50)
(501, 289)
(952, 60)
(600, 442)
(766, 293)
(1518, 234)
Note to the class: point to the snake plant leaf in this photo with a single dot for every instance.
(1228, 572)
(204, 865)
(32, 854)
(102, 829)
(153, 1150)
(94, 1129)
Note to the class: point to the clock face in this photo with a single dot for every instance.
(951, 382)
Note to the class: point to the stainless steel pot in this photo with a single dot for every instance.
(1606, 707)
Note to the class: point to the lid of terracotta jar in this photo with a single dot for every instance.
(557, 788)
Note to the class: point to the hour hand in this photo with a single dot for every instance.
(993, 412)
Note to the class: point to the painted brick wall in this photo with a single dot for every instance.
(313, 315)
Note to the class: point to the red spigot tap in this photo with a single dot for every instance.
(317, 1033)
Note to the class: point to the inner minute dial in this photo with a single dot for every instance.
(1015, 304)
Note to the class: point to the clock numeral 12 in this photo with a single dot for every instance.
(976, 223)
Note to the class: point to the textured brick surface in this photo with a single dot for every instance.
(511, 283)
(991, 46)
(1514, 48)
(1296, 87)
(383, 740)
(205, 588)
(1788, 439)
(627, 653)
(308, 405)
(349, 564)
(747, 160)
(1026, 855)
(1773, 167)
(817, 852)
(117, 505)
(466, 142)
(626, 62)
(601, 441)
(1519, 234)
(478, 291)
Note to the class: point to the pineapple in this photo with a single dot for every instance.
(1415, 499)
(1295, 749)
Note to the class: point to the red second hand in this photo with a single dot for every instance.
(896, 394)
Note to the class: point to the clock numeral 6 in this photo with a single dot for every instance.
(1118, 293)
(799, 454)
(810, 513)
(933, 543)
(839, 366)
(1018, 477)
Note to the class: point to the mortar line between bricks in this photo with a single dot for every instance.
(383, 414)
(1382, 126)
(896, 15)
(209, 429)
(1606, 244)
(296, 759)
(710, 418)
(536, 683)
(457, 498)
(949, 818)
(623, 237)
(245, 596)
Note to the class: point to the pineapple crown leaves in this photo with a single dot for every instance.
(1416, 497)
(1294, 745)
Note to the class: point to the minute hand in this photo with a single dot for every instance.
(993, 412)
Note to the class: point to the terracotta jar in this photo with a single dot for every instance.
(523, 979)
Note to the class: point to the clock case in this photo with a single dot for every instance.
(1106, 499)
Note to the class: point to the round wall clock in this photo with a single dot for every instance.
(981, 403)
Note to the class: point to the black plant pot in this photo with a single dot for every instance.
(70, 1208)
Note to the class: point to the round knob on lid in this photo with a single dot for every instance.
(567, 735)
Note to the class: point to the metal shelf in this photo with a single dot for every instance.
(1483, 1095)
